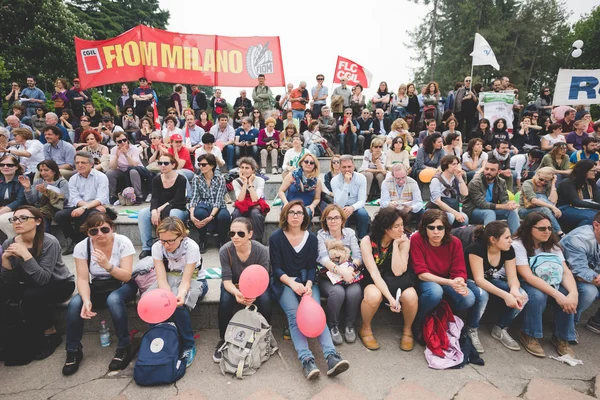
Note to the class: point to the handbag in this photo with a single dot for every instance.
(100, 288)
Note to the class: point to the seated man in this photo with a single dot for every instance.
(108, 130)
(224, 136)
(52, 120)
(488, 199)
(401, 191)
(582, 255)
(502, 154)
(246, 137)
(589, 151)
(58, 150)
(126, 165)
(350, 193)
(431, 126)
(192, 134)
(88, 194)
(347, 127)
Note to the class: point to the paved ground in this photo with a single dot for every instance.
(373, 375)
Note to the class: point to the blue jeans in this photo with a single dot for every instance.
(189, 176)
(145, 224)
(223, 222)
(228, 303)
(588, 293)
(523, 212)
(431, 293)
(576, 217)
(229, 154)
(353, 137)
(298, 114)
(564, 324)
(289, 302)
(452, 219)
(246, 151)
(316, 149)
(506, 315)
(484, 217)
(116, 304)
(362, 222)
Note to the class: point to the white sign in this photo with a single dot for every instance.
(577, 86)
(498, 105)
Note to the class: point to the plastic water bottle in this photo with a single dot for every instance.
(104, 335)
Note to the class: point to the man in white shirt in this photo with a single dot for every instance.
(192, 134)
(225, 136)
(350, 192)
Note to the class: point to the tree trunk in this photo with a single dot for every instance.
(531, 67)
(433, 37)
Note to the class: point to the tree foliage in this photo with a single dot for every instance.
(588, 30)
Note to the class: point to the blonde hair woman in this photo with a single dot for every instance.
(373, 165)
(303, 184)
(539, 194)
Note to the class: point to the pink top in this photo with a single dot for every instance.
(263, 138)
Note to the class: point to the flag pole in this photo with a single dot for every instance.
(471, 75)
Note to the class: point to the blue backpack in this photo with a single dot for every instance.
(159, 359)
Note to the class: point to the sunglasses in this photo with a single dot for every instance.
(172, 113)
(84, 120)
(171, 241)
(2, 165)
(121, 141)
(320, 79)
(335, 162)
(256, 112)
(22, 219)
(177, 141)
(307, 162)
(377, 147)
(348, 113)
(434, 227)
(542, 180)
(240, 234)
(204, 164)
(163, 163)
(543, 228)
(94, 231)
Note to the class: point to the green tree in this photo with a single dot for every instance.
(588, 30)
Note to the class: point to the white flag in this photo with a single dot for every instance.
(482, 53)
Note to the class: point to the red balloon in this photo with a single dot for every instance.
(254, 280)
(157, 306)
(310, 317)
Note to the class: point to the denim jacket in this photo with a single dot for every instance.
(582, 252)
(16, 193)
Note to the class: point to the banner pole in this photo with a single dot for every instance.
(471, 74)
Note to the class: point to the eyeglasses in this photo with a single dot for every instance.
(241, 234)
(121, 141)
(320, 79)
(296, 214)
(94, 231)
(204, 164)
(400, 179)
(535, 116)
(377, 147)
(152, 138)
(2, 165)
(543, 228)
(240, 112)
(348, 113)
(307, 162)
(163, 163)
(434, 227)
(84, 120)
(22, 219)
(468, 80)
(256, 112)
(332, 219)
(335, 162)
(171, 241)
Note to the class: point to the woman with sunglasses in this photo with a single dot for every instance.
(91, 142)
(156, 149)
(235, 256)
(142, 136)
(400, 129)
(303, 184)
(12, 193)
(544, 273)
(578, 196)
(84, 126)
(334, 170)
(397, 154)
(207, 201)
(293, 252)
(343, 287)
(258, 122)
(168, 199)
(238, 114)
(385, 255)
(34, 274)
(38, 120)
(373, 165)
(539, 194)
(126, 164)
(559, 160)
(106, 259)
(437, 258)
(178, 266)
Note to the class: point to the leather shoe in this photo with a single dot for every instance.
(407, 342)
(368, 340)
(202, 247)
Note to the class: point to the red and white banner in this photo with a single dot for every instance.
(355, 73)
(163, 56)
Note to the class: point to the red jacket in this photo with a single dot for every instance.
(445, 261)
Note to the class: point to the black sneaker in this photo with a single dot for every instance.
(121, 359)
(203, 247)
(69, 249)
(72, 362)
(593, 325)
(335, 364)
(310, 369)
(51, 342)
(145, 253)
(218, 354)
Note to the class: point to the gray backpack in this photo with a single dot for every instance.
(249, 342)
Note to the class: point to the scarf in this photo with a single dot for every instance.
(498, 156)
(302, 183)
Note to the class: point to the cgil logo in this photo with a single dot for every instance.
(92, 62)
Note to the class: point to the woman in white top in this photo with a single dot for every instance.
(400, 128)
(474, 159)
(451, 124)
(313, 140)
(452, 145)
(373, 165)
(249, 201)
(96, 149)
(555, 136)
(107, 258)
(171, 128)
(208, 147)
(400, 102)
(293, 155)
(29, 151)
(397, 154)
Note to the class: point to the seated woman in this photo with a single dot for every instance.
(397, 154)
(544, 273)
(12, 194)
(373, 166)
(437, 258)
(34, 274)
(293, 252)
(578, 196)
(303, 184)
(452, 145)
(268, 143)
(482, 131)
(130, 122)
(429, 155)
(168, 200)
(183, 275)
(474, 159)
(346, 288)
(313, 140)
(185, 166)
(106, 259)
(334, 169)
(235, 256)
(170, 128)
(400, 129)
(92, 140)
(385, 255)
(451, 124)
(293, 154)
(554, 136)
(29, 151)
(142, 136)
(48, 200)
(207, 201)
(490, 261)
(446, 189)
(250, 203)
(559, 160)
(539, 195)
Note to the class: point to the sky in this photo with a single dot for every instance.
(313, 33)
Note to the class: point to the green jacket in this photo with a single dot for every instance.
(477, 189)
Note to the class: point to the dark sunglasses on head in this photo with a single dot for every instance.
(165, 163)
(434, 227)
(2, 165)
(543, 228)
(121, 141)
(240, 234)
(94, 231)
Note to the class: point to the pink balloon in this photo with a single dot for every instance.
(254, 280)
(157, 306)
(310, 317)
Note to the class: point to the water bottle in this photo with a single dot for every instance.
(104, 335)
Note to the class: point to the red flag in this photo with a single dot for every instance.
(156, 120)
(355, 73)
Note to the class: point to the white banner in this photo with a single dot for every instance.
(577, 86)
(498, 105)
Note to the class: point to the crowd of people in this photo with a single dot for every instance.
(448, 224)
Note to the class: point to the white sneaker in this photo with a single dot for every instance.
(472, 332)
(274, 171)
(504, 338)
(117, 203)
(148, 198)
(263, 171)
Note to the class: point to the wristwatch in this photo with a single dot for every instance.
(84, 207)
